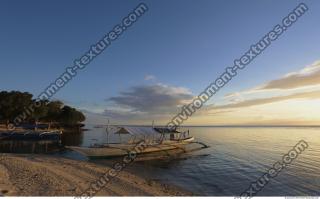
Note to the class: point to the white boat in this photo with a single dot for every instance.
(147, 139)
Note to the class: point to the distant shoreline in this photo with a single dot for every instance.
(3, 128)
(224, 126)
(259, 126)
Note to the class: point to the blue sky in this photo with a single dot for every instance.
(182, 44)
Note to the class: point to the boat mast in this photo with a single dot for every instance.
(107, 129)
(153, 129)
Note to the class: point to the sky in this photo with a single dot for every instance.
(165, 59)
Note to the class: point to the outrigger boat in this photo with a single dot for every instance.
(154, 139)
(30, 141)
(31, 135)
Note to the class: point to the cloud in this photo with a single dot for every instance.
(262, 101)
(122, 114)
(161, 102)
(156, 99)
(308, 76)
(149, 77)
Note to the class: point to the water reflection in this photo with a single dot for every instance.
(237, 157)
(12, 142)
(72, 138)
(14, 146)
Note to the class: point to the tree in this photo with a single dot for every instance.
(12, 104)
(71, 116)
(54, 111)
(39, 111)
(15, 103)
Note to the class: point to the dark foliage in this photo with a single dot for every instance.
(14, 103)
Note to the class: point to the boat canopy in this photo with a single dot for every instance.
(165, 130)
(135, 131)
(139, 131)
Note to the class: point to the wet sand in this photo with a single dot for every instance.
(44, 175)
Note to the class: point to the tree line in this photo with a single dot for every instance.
(14, 103)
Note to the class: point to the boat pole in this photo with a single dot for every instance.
(108, 132)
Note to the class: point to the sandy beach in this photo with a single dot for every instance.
(44, 175)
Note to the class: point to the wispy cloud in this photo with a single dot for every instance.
(120, 114)
(262, 101)
(141, 104)
(308, 76)
(149, 77)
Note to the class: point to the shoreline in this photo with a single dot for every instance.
(3, 129)
(45, 175)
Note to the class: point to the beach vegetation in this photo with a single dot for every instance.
(13, 103)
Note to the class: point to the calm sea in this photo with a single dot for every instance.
(237, 157)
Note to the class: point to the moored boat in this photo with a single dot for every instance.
(31, 135)
(153, 139)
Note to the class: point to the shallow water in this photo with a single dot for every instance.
(237, 157)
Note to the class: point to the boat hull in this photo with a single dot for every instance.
(117, 150)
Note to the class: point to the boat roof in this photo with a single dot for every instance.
(165, 130)
(139, 131)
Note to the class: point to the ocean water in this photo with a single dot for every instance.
(237, 157)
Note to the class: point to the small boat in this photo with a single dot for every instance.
(153, 139)
(31, 135)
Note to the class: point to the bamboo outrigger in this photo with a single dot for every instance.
(156, 139)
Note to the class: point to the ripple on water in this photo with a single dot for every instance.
(238, 157)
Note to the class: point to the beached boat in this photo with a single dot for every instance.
(30, 141)
(152, 139)
(31, 135)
